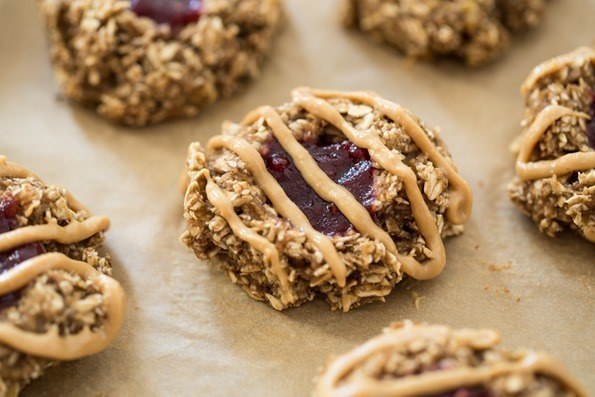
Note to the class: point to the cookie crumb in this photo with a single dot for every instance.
(497, 268)
(417, 299)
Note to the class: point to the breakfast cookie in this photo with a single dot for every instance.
(477, 31)
(57, 301)
(139, 62)
(433, 360)
(555, 181)
(334, 193)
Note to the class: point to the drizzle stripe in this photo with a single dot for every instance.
(313, 102)
(437, 381)
(219, 200)
(51, 344)
(461, 198)
(324, 186)
(387, 160)
(12, 170)
(282, 204)
(572, 162)
(576, 57)
(72, 233)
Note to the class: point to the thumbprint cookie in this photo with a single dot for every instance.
(57, 299)
(420, 360)
(334, 193)
(139, 62)
(555, 166)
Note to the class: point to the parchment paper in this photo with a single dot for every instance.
(189, 331)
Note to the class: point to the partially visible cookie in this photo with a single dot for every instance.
(477, 31)
(57, 299)
(555, 181)
(139, 62)
(419, 360)
(334, 193)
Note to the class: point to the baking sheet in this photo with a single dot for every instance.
(189, 331)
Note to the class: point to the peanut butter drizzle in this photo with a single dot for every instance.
(282, 204)
(12, 170)
(461, 197)
(219, 199)
(572, 162)
(577, 57)
(72, 233)
(313, 102)
(457, 213)
(51, 344)
(324, 186)
(436, 381)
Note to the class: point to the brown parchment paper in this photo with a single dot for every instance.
(189, 331)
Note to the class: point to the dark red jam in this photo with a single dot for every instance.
(463, 392)
(175, 13)
(591, 123)
(11, 258)
(343, 162)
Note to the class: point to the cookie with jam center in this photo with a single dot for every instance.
(555, 167)
(422, 360)
(140, 62)
(337, 194)
(58, 301)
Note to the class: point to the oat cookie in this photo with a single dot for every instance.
(139, 62)
(555, 181)
(57, 301)
(433, 360)
(477, 31)
(335, 193)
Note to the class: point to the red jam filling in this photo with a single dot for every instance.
(445, 365)
(175, 13)
(343, 162)
(11, 258)
(463, 392)
(591, 123)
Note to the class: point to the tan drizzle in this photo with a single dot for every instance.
(12, 170)
(282, 204)
(51, 344)
(577, 57)
(72, 233)
(328, 190)
(219, 199)
(461, 197)
(434, 382)
(324, 186)
(312, 101)
(572, 162)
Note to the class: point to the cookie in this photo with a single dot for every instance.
(139, 62)
(335, 193)
(433, 360)
(57, 299)
(477, 31)
(555, 167)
